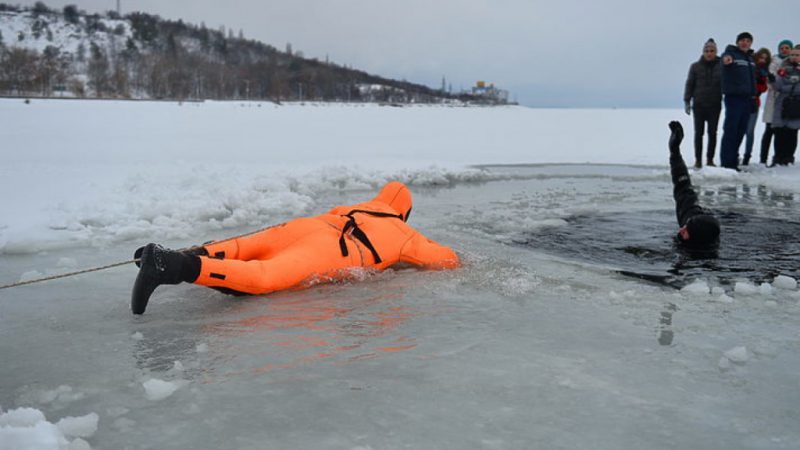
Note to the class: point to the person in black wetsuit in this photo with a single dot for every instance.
(698, 226)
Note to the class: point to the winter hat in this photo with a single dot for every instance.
(744, 35)
(785, 42)
(703, 229)
(710, 44)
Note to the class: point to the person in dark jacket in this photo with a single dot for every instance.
(739, 88)
(698, 226)
(704, 86)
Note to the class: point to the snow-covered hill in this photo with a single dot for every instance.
(36, 32)
(48, 53)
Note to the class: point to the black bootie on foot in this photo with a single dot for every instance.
(157, 266)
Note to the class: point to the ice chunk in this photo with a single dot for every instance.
(724, 363)
(784, 282)
(724, 298)
(745, 288)
(737, 355)
(21, 417)
(137, 336)
(765, 289)
(177, 366)
(27, 429)
(83, 426)
(717, 290)
(698, 287)
(202, 348)
(156, 389)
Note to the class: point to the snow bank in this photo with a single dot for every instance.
(198, 170)
(27, 428)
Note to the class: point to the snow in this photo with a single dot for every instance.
(121, 186)
(529, 348)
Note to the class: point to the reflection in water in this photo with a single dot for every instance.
(283, 333)
(300, 330)
(339, 324)
(665, 333)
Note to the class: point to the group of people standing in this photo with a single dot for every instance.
(737, 78)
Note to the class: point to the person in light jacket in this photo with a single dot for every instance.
(787, 83)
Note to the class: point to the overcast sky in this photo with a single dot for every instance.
(612, 53)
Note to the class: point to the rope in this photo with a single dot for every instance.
(65, 275)
(111, 266)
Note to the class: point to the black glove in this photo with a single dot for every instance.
(676, 137)
(771, 77)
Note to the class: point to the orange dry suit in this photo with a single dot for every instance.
(372, 235)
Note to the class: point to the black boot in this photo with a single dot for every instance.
(160, 266)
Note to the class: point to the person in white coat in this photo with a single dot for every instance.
(784, 47)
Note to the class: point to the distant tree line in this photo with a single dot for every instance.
(144, 56)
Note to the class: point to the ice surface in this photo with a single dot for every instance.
(79, 444)
(519, 348)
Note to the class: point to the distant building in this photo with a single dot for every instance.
(490, 92)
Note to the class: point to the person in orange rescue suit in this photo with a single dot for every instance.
(372, 235)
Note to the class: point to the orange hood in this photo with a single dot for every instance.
(397, 196)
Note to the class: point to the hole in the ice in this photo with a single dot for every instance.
(642, 245)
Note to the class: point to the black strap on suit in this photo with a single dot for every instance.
(359, 234)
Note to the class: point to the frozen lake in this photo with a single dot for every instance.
(539, 341)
